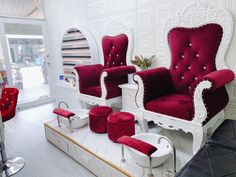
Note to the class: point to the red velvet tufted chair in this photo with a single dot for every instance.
(8, 104)
(99, 84)
(191, 94)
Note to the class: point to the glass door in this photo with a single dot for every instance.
(27, 63)
(3, 74)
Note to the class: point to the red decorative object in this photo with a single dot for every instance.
(138, 145)
(120, 124)
(98, 118)
(63, 112)
(8, 103)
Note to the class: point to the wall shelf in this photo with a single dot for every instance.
(78, 48)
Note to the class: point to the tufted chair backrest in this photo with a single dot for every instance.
(114, 50)
(193, 53)
(9, 102)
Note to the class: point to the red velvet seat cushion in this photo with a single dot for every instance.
(98, 118)
(63, 112)
(120, 117)
(112, 90)
(176, 105)
(120, 124)
(100, 111)
(92, 90)
(137, 144)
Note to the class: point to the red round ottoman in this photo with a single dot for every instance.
(98, 118)
(119, 124)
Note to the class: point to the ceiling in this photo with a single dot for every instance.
(21, 8)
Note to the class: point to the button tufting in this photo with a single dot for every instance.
(117, 55)
(197, 55)
(189, 87)
(182, 56)
(204, 67)
(195, 78)
(176, 66)
(113, 62)
(121, 63)
(190, 44)
(113, 46)
(189, 67)
(109, 54)
(182, 77)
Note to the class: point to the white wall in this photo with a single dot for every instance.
(23, 29)
(144, 16)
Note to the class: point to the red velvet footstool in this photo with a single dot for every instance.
(98, 118)
(120, 124)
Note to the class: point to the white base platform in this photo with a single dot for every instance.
(97, 153)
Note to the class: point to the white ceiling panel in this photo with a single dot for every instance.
(21, 8)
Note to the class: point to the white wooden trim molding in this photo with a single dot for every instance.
(140, 92)
(103, 85)
(92, 100)
(200, 112)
